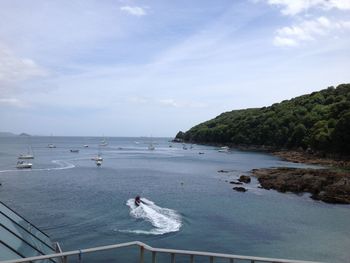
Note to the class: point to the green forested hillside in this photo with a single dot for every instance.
(319, 121)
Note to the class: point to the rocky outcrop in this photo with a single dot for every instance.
(239, 189)
(305, 157)
(244, 179)
(325, 185)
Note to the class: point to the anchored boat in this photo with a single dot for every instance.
(23, 165)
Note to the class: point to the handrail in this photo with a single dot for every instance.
(26, 230)
(22, 239)
(23, 218)
(155, 250)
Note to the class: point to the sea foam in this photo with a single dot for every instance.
(163, 220)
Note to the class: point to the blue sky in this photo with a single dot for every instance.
(151, 68)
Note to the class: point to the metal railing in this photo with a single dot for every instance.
(144, 247)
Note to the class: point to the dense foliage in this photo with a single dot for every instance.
(319, 121)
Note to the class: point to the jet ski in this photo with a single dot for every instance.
(137, 200)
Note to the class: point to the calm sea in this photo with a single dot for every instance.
(189, 205)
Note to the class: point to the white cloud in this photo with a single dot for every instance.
(12, 102)
(284, 41)
(14, 68)
(169, 102)
(308, 30)
(184, 104)
(294, 7)
(134, 10)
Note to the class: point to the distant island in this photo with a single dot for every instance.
(23, 134)
(313, 128)
(10, 134)
(317, 122)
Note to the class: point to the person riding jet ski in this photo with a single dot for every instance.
(138, 200)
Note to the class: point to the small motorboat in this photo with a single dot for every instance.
(74, 151)
(23, 165)
(98, 163)
(51, 145)
(86, 146)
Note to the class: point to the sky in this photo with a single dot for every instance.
(154, 67)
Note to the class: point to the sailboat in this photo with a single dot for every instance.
(151, 147)
(29, 154)
(98, 159)
(103, 142)
(51, 145)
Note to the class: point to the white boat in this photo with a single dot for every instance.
(23, 165)
(103, 142)
(224, 149)
(51, 145)
(97, 158)
(26, 156)
(151, 147)
(86, 146)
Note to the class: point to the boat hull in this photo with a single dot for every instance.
(25, 157)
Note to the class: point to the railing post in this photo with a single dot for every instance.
(153, 257)
(172, 258)
(65, 259)
(142, 252)
(192, 259)
(211, 259)
(231, 260)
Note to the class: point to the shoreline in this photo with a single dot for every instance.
(306, 158)
(323, 184)
(330, 184)
(290, 155)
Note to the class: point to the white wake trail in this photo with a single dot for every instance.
(164, 220)
(62, 166)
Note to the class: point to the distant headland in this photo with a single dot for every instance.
(312, 128)
(10, 134)
(316, 122)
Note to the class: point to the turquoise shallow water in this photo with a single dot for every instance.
(190, 205)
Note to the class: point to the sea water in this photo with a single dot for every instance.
(188, 204)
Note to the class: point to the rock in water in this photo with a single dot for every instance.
(325, 185)
(244, 178)
(239, 189)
